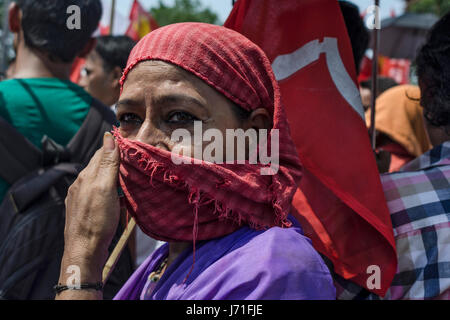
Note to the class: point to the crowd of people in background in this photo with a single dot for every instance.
(39, 102)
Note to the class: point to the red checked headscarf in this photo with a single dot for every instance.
(189, 202)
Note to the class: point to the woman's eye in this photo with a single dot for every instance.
(127, 119)
(180, 117)
(85, 72)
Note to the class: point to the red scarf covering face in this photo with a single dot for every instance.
(189, 202)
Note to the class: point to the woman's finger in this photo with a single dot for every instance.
(108, 164)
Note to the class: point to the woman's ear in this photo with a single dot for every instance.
(259, 119)
(14, 18)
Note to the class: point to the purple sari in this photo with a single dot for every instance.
(247, 264)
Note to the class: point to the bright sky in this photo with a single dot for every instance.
(223, 7)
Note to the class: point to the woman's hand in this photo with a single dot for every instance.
(92, 217)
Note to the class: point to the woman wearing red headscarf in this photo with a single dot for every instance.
(228, 228)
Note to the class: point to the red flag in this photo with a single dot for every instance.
(393, 14)
(397, 69)
(104, 30)
(75, 71)
(365, 71)
(341, 204)
(141, 22)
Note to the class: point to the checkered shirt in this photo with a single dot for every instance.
(418, 198)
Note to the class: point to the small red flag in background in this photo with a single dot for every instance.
(141, 22)
(365, 72)
(75, 72)
(340, 203)
(397, 69)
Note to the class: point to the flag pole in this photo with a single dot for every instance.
(120, 246)
(376, 38)
(111, 19)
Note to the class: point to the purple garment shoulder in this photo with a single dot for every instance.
(247, 264)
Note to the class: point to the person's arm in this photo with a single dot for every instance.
(92, 217)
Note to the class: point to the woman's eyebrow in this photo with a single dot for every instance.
(178, 98)
(127, 102)
(162, 100)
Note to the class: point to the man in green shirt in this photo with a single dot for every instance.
(39, 99)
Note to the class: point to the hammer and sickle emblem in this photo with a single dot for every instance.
(287, 64)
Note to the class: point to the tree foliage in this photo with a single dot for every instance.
(183, 11)
(438, 7)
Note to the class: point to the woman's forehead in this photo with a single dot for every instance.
(157, 77)
(154, 69)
